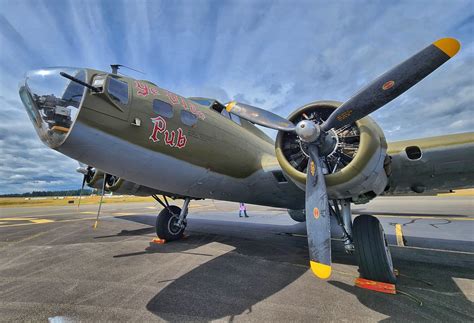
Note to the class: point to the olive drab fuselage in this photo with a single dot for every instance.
(211, 135)
(147, 135)
(210, 141)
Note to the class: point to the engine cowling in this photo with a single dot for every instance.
(356, 163)
(119, 185)
(95, 179)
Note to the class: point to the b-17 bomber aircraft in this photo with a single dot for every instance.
(138, 138)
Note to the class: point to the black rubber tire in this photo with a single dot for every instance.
(164, 224)
(371, 249)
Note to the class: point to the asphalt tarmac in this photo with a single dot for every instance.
(54, 266)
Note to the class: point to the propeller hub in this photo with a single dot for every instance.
(308, 131)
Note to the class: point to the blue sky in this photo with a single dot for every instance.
(278, 55)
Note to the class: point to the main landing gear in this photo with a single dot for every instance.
(365, 237)
(171, 221)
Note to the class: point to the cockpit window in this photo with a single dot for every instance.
(231, 116)
(225, 113)
(235, 118)
(218, 107)
(205, 102)
(118, 90)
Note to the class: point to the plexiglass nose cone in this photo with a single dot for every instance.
(52, 102)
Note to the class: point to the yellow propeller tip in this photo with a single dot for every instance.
(230, 106)
(449, 46)
(320, 270)
(95, 225)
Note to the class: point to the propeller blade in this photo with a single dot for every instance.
(318, 224)
(259, 116)
(82, 188)
(100, 203)
(393, 83)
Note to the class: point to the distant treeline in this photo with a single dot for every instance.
(50, 193)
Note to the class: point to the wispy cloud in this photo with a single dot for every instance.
(275, 54)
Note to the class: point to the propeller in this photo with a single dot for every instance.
(82, 188)
(318, 224)
(87, 172)
(317, 135)
(390, 85)
(96, 223)
(259, 116)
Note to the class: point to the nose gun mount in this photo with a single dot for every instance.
(72, 78)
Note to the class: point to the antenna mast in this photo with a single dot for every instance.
(116, 67)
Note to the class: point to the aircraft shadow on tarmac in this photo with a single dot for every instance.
(231, 284)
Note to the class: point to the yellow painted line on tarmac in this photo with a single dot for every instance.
(399, 235)
(33, 214)
(84, 219)
(42, 216)
(38, 221)
(18, 219)
(42, 221)
(30, 220)
(60, 221)
(31, 223)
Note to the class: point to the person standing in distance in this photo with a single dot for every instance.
(242, 208)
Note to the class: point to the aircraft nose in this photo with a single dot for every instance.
(52, 102)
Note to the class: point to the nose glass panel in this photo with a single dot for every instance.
(52, 101)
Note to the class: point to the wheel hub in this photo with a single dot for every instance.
(173, 226)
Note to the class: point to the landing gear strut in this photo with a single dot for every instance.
(344, 219)
(366, 237)
(171, 221)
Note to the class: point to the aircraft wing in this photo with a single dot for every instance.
(431, 165)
